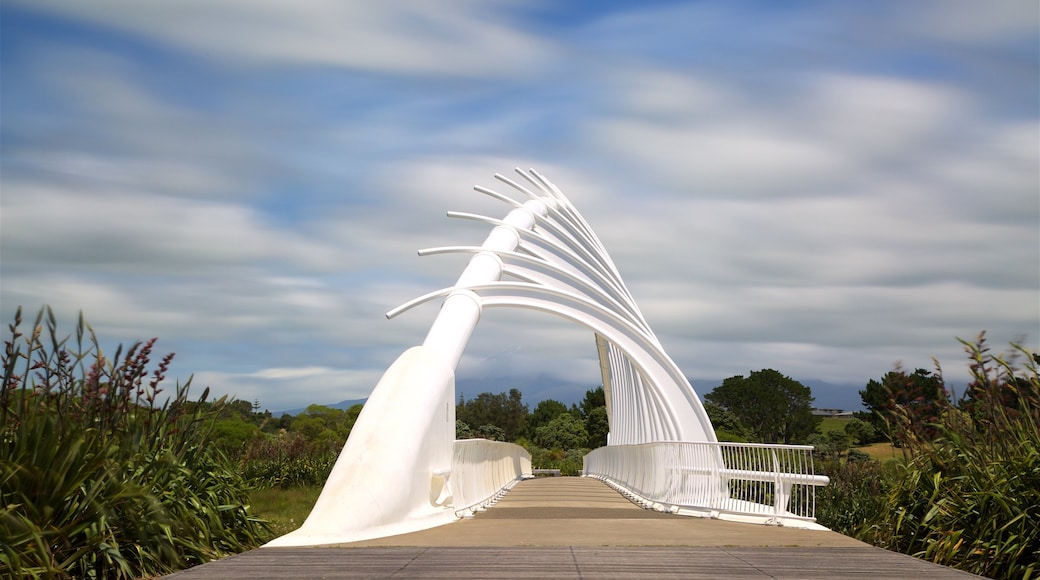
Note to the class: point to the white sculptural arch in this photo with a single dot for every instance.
(394, 474)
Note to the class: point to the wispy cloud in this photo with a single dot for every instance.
(823, 190)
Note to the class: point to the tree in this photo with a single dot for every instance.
(594, 412)
(727, 426)
(506, 411)
(326, 426)
(911, 401)
(861, 432)
(775, 408)
(544, 412)
(563, 432)
(489, 432)
(463, 431)
(593, 398)
(597, 427)
(833, 443)
(232, 435)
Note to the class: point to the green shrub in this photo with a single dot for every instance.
(100, 476)
(968, 496)
(568, 461)
(855, 495)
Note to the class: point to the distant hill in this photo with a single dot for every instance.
(344, 405)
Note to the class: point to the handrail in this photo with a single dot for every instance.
(769, 484)
(482, 472)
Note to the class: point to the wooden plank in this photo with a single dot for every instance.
(570, 527)
(570, 562)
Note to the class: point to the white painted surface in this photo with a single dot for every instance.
(384, 482)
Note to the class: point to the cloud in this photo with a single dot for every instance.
(822, 191)
(142, 232)
(459, 38)
(282, 389)
(962, 22)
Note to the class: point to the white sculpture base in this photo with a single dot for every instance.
(390, 477)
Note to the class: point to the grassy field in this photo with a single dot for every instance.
(882, 452)
(284, 509)
(833, 424)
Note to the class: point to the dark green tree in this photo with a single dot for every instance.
(906, 399)
(593, 398)
(237, 409)
(544, 412)
(775, 408)
(232, 435)
(597, 427)
(727, 426)
(490, 432)
(506, 411)
(860, 432)
(564, 432)
(463, 431)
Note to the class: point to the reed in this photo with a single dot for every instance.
(103, 473)
(969, 496)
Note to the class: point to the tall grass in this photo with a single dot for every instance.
(855, 496)
(969, 497)
(287, 461)
(285, 508)
(102, 475)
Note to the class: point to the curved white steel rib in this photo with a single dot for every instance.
(401, 470)
(564, 270)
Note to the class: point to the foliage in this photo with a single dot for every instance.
(563, 432)
(918, 396)
(597, 427)
(506, 411)
(287, 461)
(727, 426)
(593, 410)
(594, 399)
(773, 407)
(326, 428)
(968, 493)
(233, 434)
(568, 461)
(860, 432)
(99, 475)
(464, 431)
(284, 509)
(489, 432)
(854, 497)
(831, 443)
(544, 412)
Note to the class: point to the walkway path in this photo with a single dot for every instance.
(571, 527)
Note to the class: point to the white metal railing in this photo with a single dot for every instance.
(482, 471)
(772, 484)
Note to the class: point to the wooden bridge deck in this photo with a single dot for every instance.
(580, 528)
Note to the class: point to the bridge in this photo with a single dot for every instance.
(571, 527)
(663, 497)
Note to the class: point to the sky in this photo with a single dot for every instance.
(827, 189)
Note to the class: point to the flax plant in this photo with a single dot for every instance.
(970, 496)
(102, 473)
